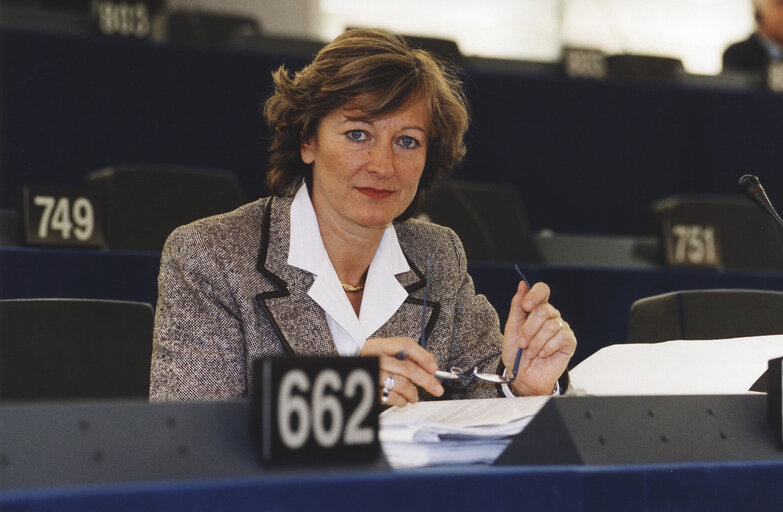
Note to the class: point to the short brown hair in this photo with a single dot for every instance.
(383, 67)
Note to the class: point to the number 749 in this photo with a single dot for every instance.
(59, 215)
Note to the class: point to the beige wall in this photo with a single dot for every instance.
(696, 31)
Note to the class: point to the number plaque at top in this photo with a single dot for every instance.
(123, 18)
(61, 217)
(312, 411)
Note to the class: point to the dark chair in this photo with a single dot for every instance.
(443, 48)
(74, 348)
(489, 219)
(706, 314)
(648, 67)
(10, 229)
(144, 203)
(187, 26)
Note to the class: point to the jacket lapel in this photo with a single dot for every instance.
(407, 320)
(297, 320)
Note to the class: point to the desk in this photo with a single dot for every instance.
(29, 273)
(595, 300)
(710, 487)
(219, 470)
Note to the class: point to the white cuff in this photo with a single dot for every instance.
(510, 394)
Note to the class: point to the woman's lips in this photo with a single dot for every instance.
(375, 193)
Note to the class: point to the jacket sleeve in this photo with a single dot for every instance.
(476, 338)
(198, 346)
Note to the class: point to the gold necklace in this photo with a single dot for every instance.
(352, 289)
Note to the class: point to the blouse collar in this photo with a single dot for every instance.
(383, 294)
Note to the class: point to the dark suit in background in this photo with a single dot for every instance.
(748, 55)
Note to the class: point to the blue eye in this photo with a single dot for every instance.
(408, 142)
(356, 135)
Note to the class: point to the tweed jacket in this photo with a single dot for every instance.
(227, 296)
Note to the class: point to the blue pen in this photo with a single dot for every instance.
(519, 351)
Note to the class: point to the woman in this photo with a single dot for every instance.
(328, 265)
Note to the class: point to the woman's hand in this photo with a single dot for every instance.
(536, 326)
(408, 363)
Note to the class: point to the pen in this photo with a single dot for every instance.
(519, 351)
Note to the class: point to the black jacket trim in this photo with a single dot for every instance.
(261, 298)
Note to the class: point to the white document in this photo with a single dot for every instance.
(683, 367)
(454, 431)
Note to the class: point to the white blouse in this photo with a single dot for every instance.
(383, 294)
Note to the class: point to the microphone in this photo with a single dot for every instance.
(752, 188)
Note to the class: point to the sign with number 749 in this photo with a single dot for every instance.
(58, 216)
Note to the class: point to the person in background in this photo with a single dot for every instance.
(763, 46)
(333, 263)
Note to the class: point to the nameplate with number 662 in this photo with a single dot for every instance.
(316, 410)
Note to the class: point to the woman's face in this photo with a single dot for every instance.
(366, 173)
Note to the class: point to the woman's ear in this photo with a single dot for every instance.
(307, 152)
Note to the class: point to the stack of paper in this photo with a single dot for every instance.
(454, 431)
(692, 367)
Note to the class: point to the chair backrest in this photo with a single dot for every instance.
(144, 203)
(649, 67)
(74, 348)
(187, 26)
(706, 314)
(489, 219)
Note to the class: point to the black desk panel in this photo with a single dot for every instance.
(189, 456)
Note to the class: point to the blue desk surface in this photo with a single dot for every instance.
(710, 487)
(596, 301)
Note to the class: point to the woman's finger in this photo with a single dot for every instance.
(550, 341)
(395, 347)
(414, 373)
(540, 327)
(417, 366)
(401, 386)
(538, 294)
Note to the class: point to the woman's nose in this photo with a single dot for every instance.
(381, 160)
